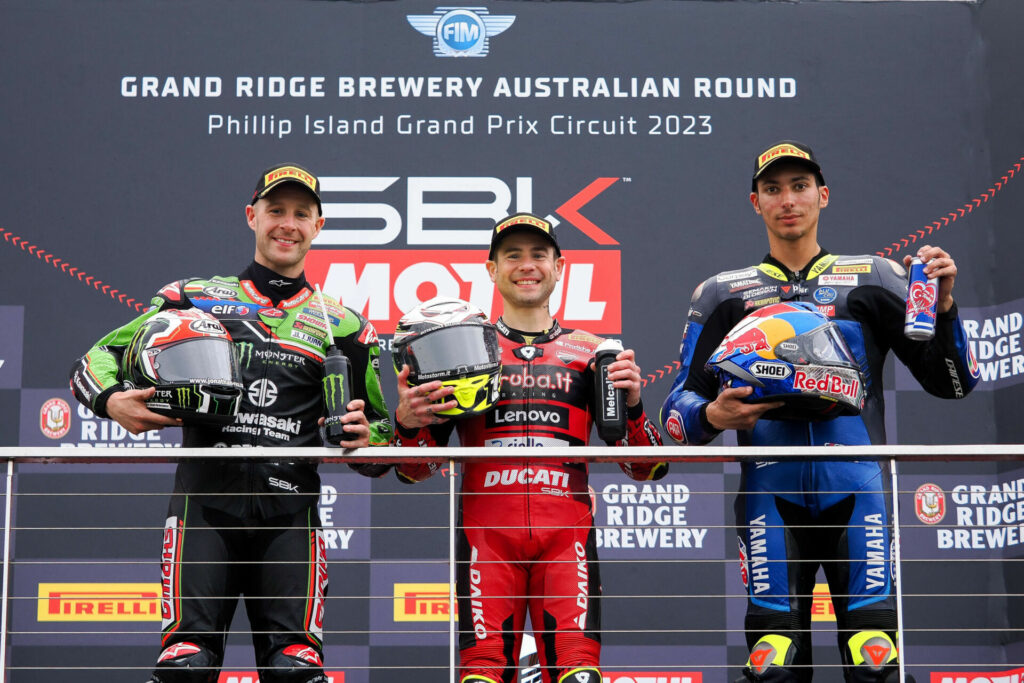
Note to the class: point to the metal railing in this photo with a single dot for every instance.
(890, 456)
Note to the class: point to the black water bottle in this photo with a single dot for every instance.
(337, 387)
(610, 411)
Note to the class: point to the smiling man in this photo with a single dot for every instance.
(526, 540)
(237, 527)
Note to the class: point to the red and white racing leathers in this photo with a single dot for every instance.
(526, 536)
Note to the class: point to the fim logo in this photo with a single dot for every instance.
(461, 31)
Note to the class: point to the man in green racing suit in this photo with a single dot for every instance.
(239, 527)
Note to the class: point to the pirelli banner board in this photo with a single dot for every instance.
(131, 136)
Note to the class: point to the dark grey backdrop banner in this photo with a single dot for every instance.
(132, 134)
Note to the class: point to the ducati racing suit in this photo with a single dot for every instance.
(227, 512)
(526, 526)
(792, 514)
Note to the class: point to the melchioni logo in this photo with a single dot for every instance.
(99, 602)
(421, 602)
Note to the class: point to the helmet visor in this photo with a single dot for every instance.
(821, 346)
(452, 351)
(206, 360)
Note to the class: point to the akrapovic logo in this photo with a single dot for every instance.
(383, 284)
(99, 602)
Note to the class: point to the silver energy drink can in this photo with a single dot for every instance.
(922, 299)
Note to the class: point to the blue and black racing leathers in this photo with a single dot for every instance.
(792, 516)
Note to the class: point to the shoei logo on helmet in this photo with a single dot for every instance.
(772, 370)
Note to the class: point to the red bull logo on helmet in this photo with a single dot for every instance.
(827, 383)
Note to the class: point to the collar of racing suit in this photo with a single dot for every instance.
(273, 285)
(529, 337)
(803, 272)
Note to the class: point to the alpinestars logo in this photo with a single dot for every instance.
(461, 31)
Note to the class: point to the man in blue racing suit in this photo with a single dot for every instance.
(792, 516)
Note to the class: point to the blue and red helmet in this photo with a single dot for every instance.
(790, 352)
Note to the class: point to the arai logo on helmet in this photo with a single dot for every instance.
(203, 326)
(461, 31)
(770, 370)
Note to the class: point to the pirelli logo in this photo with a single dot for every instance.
(822, 608)
(421, 602)
(290, 172)
(855, 268)
(99, 602)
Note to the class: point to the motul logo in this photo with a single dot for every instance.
(451, 211)
(1011, 676)
(383, 285)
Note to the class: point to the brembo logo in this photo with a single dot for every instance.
(433, 212)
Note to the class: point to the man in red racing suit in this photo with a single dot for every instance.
(526, 537)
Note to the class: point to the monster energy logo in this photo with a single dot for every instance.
(244, 350)
(334, 391)
(185, 394)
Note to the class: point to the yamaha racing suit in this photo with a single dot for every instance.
(250, 527)
(791, 515)
(526, 526)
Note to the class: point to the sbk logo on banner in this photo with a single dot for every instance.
(383, 284)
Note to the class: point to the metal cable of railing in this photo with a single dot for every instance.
(16, 527)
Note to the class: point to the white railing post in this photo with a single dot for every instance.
(897, 577)
(8, 497)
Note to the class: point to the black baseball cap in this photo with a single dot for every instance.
(279, 174)
(523, 222)
(785, 150)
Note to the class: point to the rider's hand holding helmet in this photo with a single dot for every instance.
(790, 352)
(452, 341)
(190, 359)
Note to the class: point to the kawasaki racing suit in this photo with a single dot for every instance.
(792, 514)
(230, 511)
(526, 526)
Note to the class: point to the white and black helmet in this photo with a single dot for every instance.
(451, 340)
